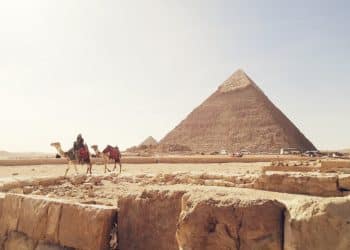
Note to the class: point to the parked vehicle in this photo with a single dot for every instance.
(312, 153)
(245, 152)
(223, 152)
(290, 151)
(237, 154)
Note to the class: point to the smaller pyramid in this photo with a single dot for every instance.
(149, 141)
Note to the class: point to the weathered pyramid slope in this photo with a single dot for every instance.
(237, 116)
(149, 141)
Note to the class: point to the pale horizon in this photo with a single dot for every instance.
(119, 71)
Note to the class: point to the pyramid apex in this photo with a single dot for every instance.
(149, 141)
(239, 71)
(239, 79)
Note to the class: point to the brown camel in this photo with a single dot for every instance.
(109, 153)
(82, 156)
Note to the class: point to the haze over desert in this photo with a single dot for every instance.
(174, 125)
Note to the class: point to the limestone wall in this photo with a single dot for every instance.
(297, 183)
(149, 220)
(335, 165)
(318, 225)
(29, 222)
(316, 184)
(241, 224)
(218, 221)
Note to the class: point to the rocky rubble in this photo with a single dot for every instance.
(82, 187)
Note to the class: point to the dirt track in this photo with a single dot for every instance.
(180, 159)
(57, 170)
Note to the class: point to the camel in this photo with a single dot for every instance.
(82, 157)
(109, 153)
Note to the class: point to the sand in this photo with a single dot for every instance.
(57, 170)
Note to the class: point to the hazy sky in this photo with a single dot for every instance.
(119, 71)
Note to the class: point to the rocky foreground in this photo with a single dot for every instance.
(178, 210)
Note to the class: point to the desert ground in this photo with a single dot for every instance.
(141, 172)
(162, 168)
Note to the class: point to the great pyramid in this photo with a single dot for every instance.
(237, 116)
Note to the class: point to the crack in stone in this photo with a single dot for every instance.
(228, 232)
(59, 225)
(283, 218)
(19, 212)
(239, 227)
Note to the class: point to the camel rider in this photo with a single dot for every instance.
(79, 143)
(80, 149)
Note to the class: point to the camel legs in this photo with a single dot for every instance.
(89, 168)
(67, 169)
(70, 163)
(76, 169)
(105, 159)
(115, 165)
(106, 168)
